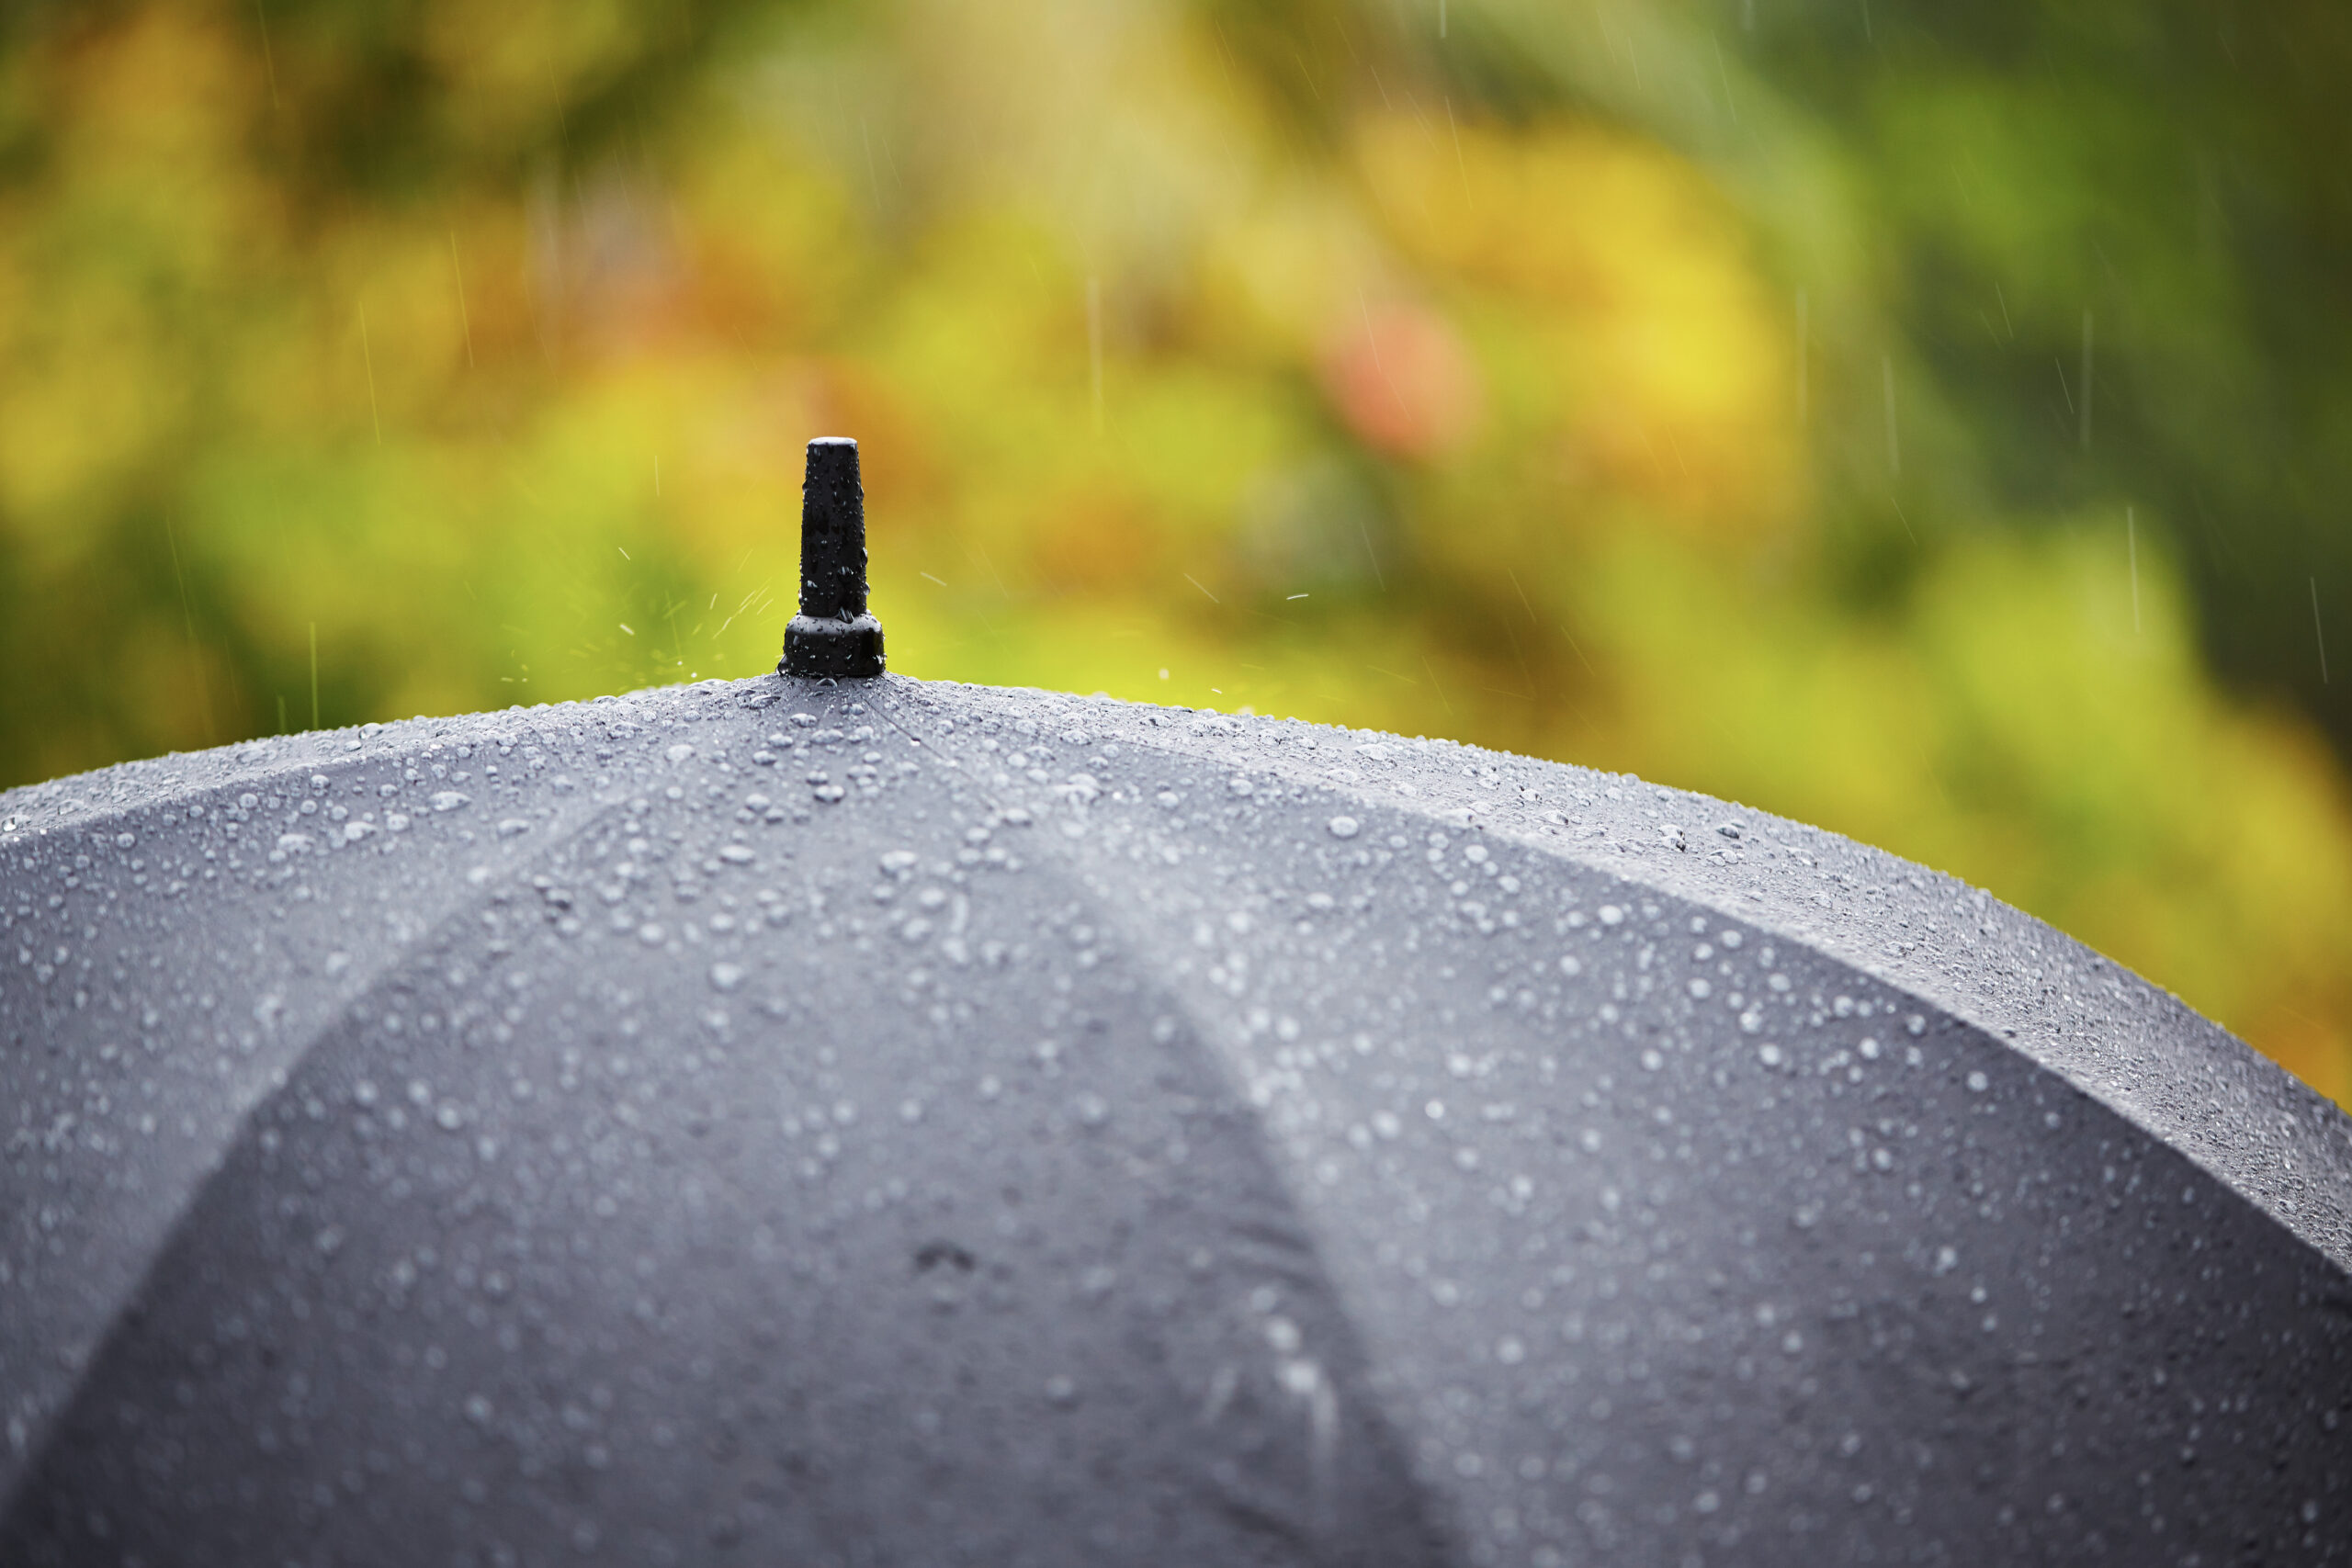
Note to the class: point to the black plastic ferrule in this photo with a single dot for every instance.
(833, 634)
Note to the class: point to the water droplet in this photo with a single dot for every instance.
(726, 976)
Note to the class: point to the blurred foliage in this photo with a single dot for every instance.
(1921, 422)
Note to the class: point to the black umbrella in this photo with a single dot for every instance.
(792, 1121)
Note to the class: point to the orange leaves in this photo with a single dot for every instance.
(1404, 383)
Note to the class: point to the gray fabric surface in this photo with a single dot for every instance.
(908, 1122)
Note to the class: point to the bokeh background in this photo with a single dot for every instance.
(1933, 421)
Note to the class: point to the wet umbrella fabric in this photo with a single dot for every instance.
(909, 1123)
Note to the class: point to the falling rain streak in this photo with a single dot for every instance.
(2131, 544)
(268, 61)
(2320, 632)
(187, 617)
(1894, 442)
(367, 357)
(2086, 410)
(465, 317)
(1094, 343)
(1804, 359)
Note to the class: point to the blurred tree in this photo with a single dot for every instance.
(2117, 233)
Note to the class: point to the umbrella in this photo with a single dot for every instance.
(863, 1121)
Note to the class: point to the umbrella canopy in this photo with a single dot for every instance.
(891, 1121)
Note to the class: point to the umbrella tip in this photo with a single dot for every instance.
(833, 634)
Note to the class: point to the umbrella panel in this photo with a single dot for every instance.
(774, 1222)
(173, 935)
(1675, 1235)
